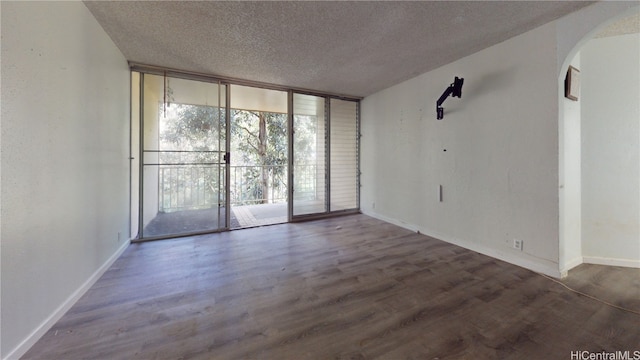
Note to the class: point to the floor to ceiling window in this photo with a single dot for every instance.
(325, 146)
(343, 155)
(214, 156)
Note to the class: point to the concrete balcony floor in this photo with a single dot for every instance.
(190, 221)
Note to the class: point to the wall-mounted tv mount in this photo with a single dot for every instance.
(455, 90)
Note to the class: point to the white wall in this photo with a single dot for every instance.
(571, 181)
(504, 169)
(65, 123)
(610, 99)
(500, 168)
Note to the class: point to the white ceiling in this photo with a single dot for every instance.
(351, 48)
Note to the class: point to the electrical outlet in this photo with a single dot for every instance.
(518, 244)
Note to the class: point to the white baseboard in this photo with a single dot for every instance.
(571, 264)
(400, 223)
(543, 266)
(30, 340)
(611, 261)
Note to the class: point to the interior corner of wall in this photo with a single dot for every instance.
(568, 265)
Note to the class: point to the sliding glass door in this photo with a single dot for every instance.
(259, 156)
(216, 156)
(184, 152)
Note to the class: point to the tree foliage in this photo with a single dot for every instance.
(260, 141)
(196, 134)
(191, 127)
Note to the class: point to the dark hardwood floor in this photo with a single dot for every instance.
(343, 288)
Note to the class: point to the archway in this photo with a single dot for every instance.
(599, 137)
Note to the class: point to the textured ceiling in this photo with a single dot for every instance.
(351, 48)
(626, 25)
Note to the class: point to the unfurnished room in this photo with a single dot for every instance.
(320, 180)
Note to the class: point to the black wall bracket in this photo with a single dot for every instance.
(455, 90)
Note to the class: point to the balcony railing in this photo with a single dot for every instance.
(188, 187)
(196, 187)
(247, 186)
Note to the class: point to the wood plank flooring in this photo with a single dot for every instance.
(342, 288)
